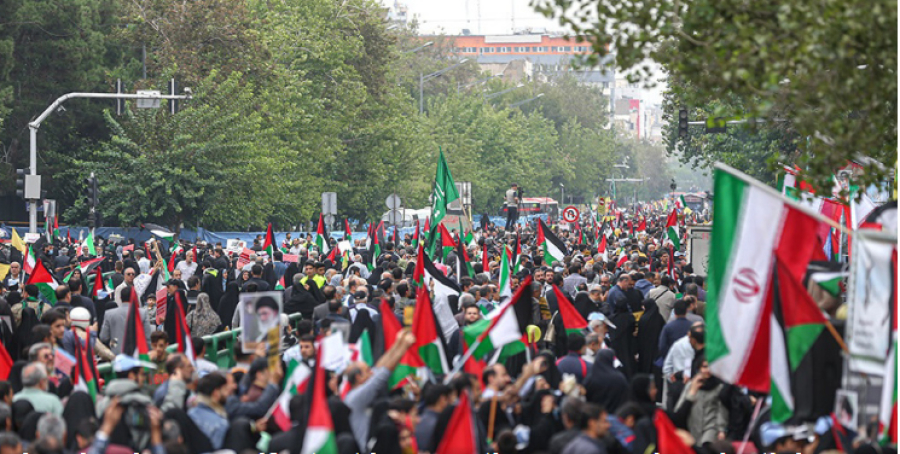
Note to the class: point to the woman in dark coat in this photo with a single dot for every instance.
(621, 338)
(228, 303)
(647, 342)
(604, 384)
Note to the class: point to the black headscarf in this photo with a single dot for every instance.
(290, 271)
(584, 305)
(20, 410)
(604, 384)
(28, 431)
(79, 407)
(228, 303)
(194, 438)
(301, 301)
(712, 381)
(647, 342)
(15, 375)
(640, 387)
(362, 322)
(552, 374)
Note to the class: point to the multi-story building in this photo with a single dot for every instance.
(525, 57)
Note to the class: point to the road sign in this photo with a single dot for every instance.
(570, 214)
(151, 101)
(394, 217)
(329, 203)
(393, 202)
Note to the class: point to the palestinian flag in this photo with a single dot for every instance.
(182, 331)
(667, 439)
(679, 203)
(360, 351)
(830, 281)
(320, 239)
(333, 256)
(268, 245)
(469, 239)
(642, 226)
(429, 343)
(348, 235)
(410, 361)
(463, 265)
(760, 249)
(85, 369)
(374, 250)
(30, 261)
(295, 382)
(503, 325)
(86, 267)
(461, 429)
(415, 240)
(319, 436)
(160, 232)
(135, 342)
(601, 248)
(672, 229)
(89, 242)
(280, 284)
(98, 283)
(446, 295)
(554, 249)
(505, 277)
(571, 318)
(447, 242)
(44, 281)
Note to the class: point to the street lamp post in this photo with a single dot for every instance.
(517, 104)
(562, 193)
(459, 87)
(494, 95)
(36, 124)
(412, 51)
(424, 77)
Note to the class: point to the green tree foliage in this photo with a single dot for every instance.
(829, 67)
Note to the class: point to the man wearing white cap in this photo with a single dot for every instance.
(81, 319)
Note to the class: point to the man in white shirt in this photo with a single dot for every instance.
(122, 294)
(677, 366)
(187, 266)
(143, 262)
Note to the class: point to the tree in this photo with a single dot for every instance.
(828, 67)
(203, 165)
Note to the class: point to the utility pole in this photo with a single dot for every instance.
(36, 124)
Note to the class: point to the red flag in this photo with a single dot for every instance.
(98, 282)
(484, 259)
(462, 429)
(427, 224)
(182, 331)
(419, 273)
(348, 234)
(333, 255)
(69, 237)
(642, 227)
(572, 320)
(197, 256)
(667, 439)
(6, 363)
(602, 247)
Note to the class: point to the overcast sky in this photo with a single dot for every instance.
(498, 17)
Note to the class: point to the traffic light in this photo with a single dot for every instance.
(20, 182)
(89, 191)
(717, 125)
(682, 123)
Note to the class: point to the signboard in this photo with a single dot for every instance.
(329, 203)
(698, 248)
(869, 298)
(570, 214)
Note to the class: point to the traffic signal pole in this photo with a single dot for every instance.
(36, 124)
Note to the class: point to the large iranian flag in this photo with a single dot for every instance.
(761, 323)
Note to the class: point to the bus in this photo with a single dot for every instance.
(536, 205)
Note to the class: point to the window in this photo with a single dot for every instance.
(502, 50)
(568, 49)
(540, 49)
(470, 50)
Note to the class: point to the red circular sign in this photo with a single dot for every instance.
(570, 214)
(746, 285)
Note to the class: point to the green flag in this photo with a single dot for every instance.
(444, 191)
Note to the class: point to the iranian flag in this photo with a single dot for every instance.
(321, 241)
(30, 261)
(429, 343)
(268, 245)
(319, 437)
(672, 229)
(505, 277)
(554, 249)
(679, 203)
(571, 318)
(762, 324)
(44, 281)
(294, 383)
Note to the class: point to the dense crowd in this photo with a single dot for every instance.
(601, 389)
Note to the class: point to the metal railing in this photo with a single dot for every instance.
(219, 349)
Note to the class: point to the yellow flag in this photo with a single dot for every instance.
(4, 269)
(17, 242)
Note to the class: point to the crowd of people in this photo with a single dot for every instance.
(602, 389)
